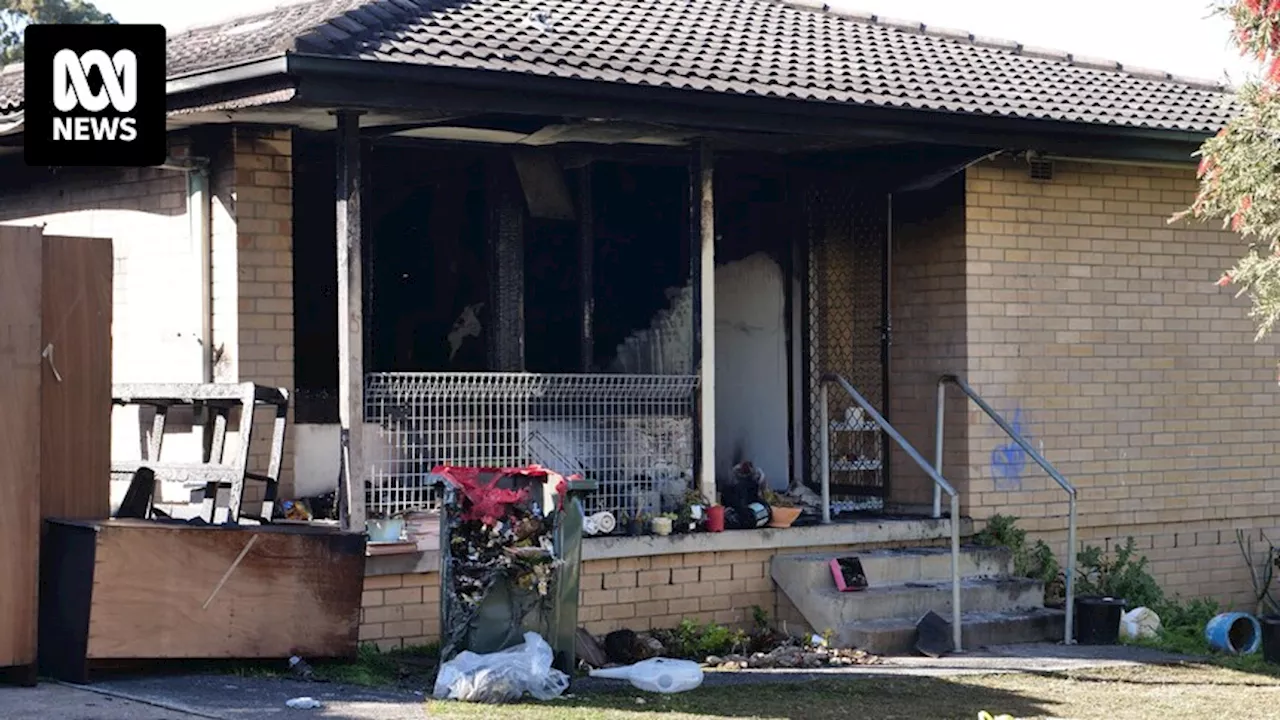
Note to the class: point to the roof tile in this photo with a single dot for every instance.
(798, 49)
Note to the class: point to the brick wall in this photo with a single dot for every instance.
(156, 329)
(253, 272)
(158, 303)
(929, 337)
(639, 593)
(400, 610)
(1100, 323)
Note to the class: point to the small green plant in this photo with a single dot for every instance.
(1119, 575)
(760, 617)
(695, 642)
(774, 499)
(1035, 561)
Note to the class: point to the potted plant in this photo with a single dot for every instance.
(663, 524)
(692, 513)
(782, 510)
(1106, 586)
(638, 524)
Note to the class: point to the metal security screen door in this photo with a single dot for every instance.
(847, 232)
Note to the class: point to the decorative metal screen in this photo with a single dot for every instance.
(633, 434)
(847, 232)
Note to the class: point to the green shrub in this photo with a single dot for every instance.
(1036, 561)
(695, 642)
(1120, 576)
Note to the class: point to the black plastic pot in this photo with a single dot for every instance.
(1098, 620)
(1270, 638)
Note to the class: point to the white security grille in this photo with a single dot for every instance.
(633, 434)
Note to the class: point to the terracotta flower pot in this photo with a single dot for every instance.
(782, 517)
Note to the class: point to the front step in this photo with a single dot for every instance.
(904, 585)
(977, 630)
(892, 567)
(833, 609)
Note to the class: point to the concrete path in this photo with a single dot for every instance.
(49, 700)
(224, 697)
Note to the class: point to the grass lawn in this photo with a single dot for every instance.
(1137, 693)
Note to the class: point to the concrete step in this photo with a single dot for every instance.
(829, 608)
(894, 567)
(978, 629)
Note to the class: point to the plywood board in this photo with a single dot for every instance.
(75, 425)
(20, 277)
(165, 591)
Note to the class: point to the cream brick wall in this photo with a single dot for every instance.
(157, 323)
(929, 337)
(1137, 376)
(156, 304)
(156, 329)
(253, 273)
(640, 593)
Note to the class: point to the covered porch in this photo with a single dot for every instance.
(642, 305)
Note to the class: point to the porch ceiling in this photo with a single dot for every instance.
(528, 130)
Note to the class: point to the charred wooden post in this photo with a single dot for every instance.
(350, 322)
(586, 257)
(505, 235)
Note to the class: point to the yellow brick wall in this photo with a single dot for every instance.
(636, 593)
(1138, 377)
(400, 610)
(929, 325)
(261, 203)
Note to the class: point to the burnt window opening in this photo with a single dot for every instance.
(427, 266)
(315, 278)
(642, 249)
(429, 306)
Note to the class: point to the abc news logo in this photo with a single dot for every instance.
(95, 95)
(71, 91)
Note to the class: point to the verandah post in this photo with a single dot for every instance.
(350, 322)
(703, 276)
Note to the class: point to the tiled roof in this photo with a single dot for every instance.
(798, 49)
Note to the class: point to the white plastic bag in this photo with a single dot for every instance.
(658, 675)
(504, 676)
(1139, 623)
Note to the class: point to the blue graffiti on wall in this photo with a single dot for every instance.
(1009, 460)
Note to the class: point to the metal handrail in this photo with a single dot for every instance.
(939, 483)
(1044, 465)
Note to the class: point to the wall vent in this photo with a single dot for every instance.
(1040, 169)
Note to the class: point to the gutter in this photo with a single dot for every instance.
(320, 67)
(227, 74)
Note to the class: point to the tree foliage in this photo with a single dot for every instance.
(16, 15)
(1238, 166)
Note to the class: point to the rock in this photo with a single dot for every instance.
(623, 647)
(649, 647)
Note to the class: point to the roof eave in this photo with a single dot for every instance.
(342, 82)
